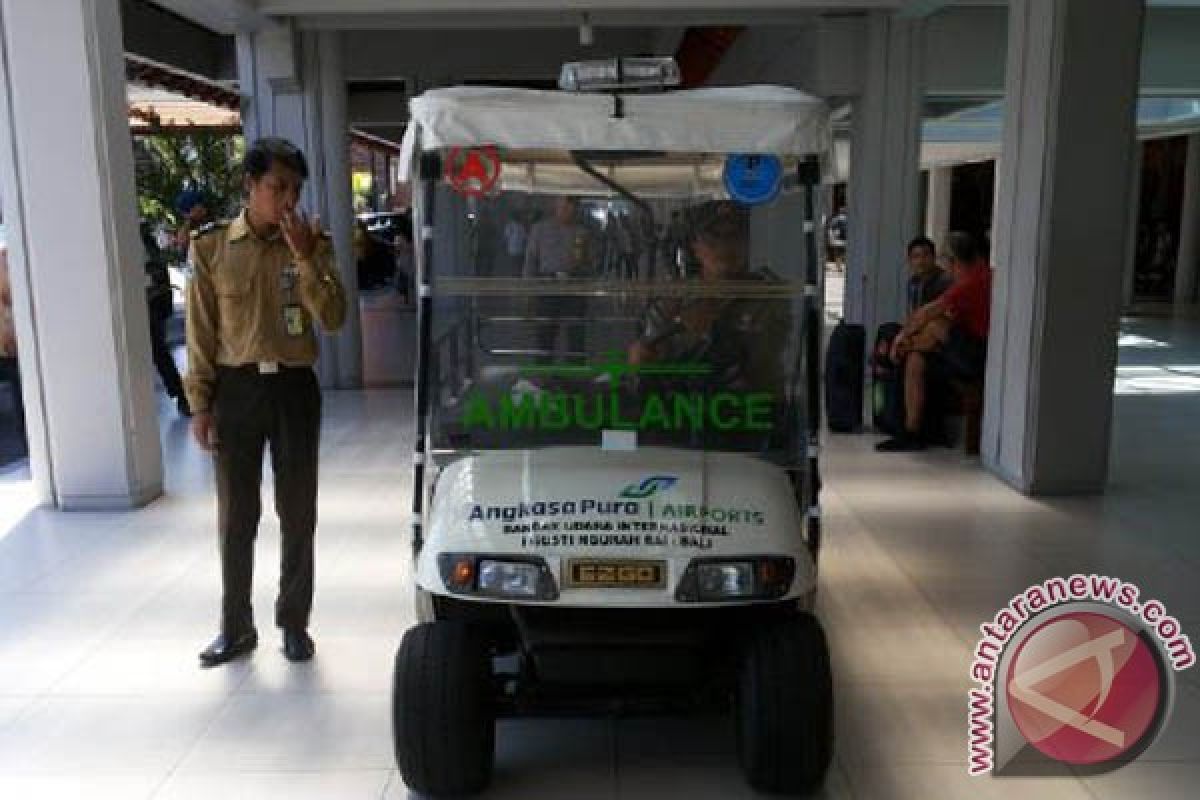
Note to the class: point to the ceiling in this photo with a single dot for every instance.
(231, 16)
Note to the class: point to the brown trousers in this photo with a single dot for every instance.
(255, 411)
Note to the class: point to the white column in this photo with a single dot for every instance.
(1188, 261)
(337, 202)
(66, 176)
(937, 203)
(1135, 214)
(1061, 231)
(885, 149)
(293, 86)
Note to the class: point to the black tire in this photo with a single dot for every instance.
(443, 727)
(785, 708)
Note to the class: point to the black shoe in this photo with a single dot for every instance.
(904, 443)
(939, 439)
(226, 648)
(297, 644)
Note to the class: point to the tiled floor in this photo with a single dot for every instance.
(101, 616)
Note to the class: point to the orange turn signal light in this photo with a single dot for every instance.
(463, 573)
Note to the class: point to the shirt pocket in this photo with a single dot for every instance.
(229, 281)
(235, 297)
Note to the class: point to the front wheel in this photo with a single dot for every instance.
(785, 708)
(443, 726)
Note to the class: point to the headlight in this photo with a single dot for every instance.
(509, 579)
(750, 578)
(725, 580)
(517, 578)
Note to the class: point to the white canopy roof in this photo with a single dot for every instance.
(748, 119)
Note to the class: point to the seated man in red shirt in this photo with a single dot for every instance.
(948, 335)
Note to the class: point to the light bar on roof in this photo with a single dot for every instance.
(619, 73)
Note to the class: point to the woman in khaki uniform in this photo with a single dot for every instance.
(260, 283)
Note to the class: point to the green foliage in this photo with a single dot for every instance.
(169, 162)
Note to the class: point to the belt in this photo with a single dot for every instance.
(264, 367)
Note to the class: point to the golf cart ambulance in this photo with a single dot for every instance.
(615, 478)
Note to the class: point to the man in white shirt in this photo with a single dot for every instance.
(558, 249)
(515, 238)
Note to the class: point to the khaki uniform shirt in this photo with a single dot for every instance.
(236, 301)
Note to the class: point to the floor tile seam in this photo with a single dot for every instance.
(109, 633)
(57, 772)
(140, 694)
(868, 683)
(1058, 779)
(191, 746)
(30, 580)
(919, 587)
(192, 773)
(34, 700)
(840, 765)
(1083, 782)
(885, 762)
(867, 532)
(273, 766)
(74, 557)
(153, 588)
(75, 664)
(1190, 761)
(1132, 519)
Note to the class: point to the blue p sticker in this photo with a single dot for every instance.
(753, 179)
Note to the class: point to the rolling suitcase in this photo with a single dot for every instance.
(844, 378)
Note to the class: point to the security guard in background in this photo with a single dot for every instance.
(259, 282)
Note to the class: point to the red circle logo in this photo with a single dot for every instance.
(473, 171)
(1084, 688)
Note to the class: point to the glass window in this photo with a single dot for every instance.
(617, 292)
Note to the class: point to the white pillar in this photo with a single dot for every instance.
(337, 202)
(1188, 261)
(885, 150)
(1061, 231)
(937, 203)
(1135, 215)
(293, 86)
(66, 176)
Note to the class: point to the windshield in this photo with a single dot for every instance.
(615, 301)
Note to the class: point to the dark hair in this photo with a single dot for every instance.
(725, 229)
(724, 222)
(964, 247)
(922, 241)
(269, 150)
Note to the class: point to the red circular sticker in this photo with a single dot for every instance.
(1084, 688)
(473, 171)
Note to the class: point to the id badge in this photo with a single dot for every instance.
(293, 319)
